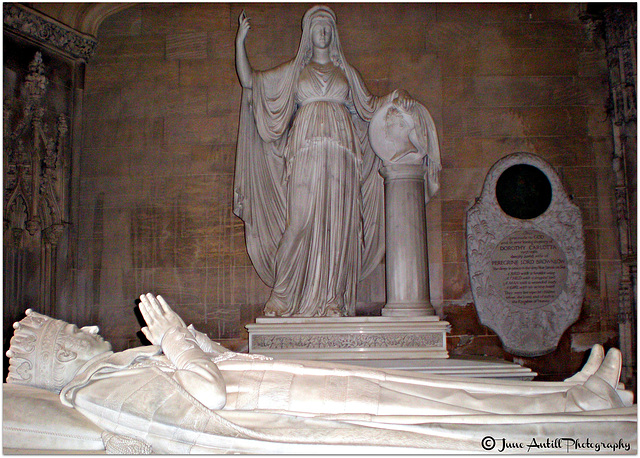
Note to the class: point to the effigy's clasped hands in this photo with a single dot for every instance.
(159, 317)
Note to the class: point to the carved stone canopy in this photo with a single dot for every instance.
(526, 255)
(69, 27)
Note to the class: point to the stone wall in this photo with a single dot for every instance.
(160, 124)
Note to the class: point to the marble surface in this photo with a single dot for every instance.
(467, 367)
(527, 274)
(188, 394)
(350, 338)
(405, 139)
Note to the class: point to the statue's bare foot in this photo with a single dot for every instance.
(273, 308)
(334, 307)
(591, 366)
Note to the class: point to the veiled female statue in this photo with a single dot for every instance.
(307, 183)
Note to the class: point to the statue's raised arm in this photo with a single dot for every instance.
(243, 67)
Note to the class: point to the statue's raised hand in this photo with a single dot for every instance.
(402, 99)
(159, 317)
(243, 28)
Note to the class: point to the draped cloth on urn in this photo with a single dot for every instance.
(307, 183)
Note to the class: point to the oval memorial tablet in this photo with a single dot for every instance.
(525, 248)
(529, 269)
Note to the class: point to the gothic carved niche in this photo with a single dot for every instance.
(620, 26)
(617, 26)
(34, 142)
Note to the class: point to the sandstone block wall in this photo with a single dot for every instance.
(159, 131)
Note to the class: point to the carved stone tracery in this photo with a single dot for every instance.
(28, 23)
(35, 143)
(616, 24)
(33, 151)
(347, 341)
(620, 39)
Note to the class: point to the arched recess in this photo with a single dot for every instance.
(82, 17)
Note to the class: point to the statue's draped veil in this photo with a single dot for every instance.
(260, 188)
(305, 48)
(426, 140)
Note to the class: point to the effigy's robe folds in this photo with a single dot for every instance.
(303, 407)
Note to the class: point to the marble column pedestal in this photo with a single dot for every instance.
(407, 266)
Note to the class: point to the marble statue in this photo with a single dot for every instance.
(187, 394)
(307, 184)
(407, 136)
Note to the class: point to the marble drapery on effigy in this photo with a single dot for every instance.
(289, 406)
(188, 394)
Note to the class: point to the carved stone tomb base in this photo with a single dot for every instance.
(349, 338)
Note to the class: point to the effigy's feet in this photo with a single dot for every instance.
(600, 390)
(609, 371)
(603, 384)
(610, 368)
(591, 366)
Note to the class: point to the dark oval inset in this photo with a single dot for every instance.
(523, 191)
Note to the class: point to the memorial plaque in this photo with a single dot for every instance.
(526, 255)
(529, 269)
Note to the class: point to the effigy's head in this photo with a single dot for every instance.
(47, 353)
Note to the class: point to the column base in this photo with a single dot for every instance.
(408, 309)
